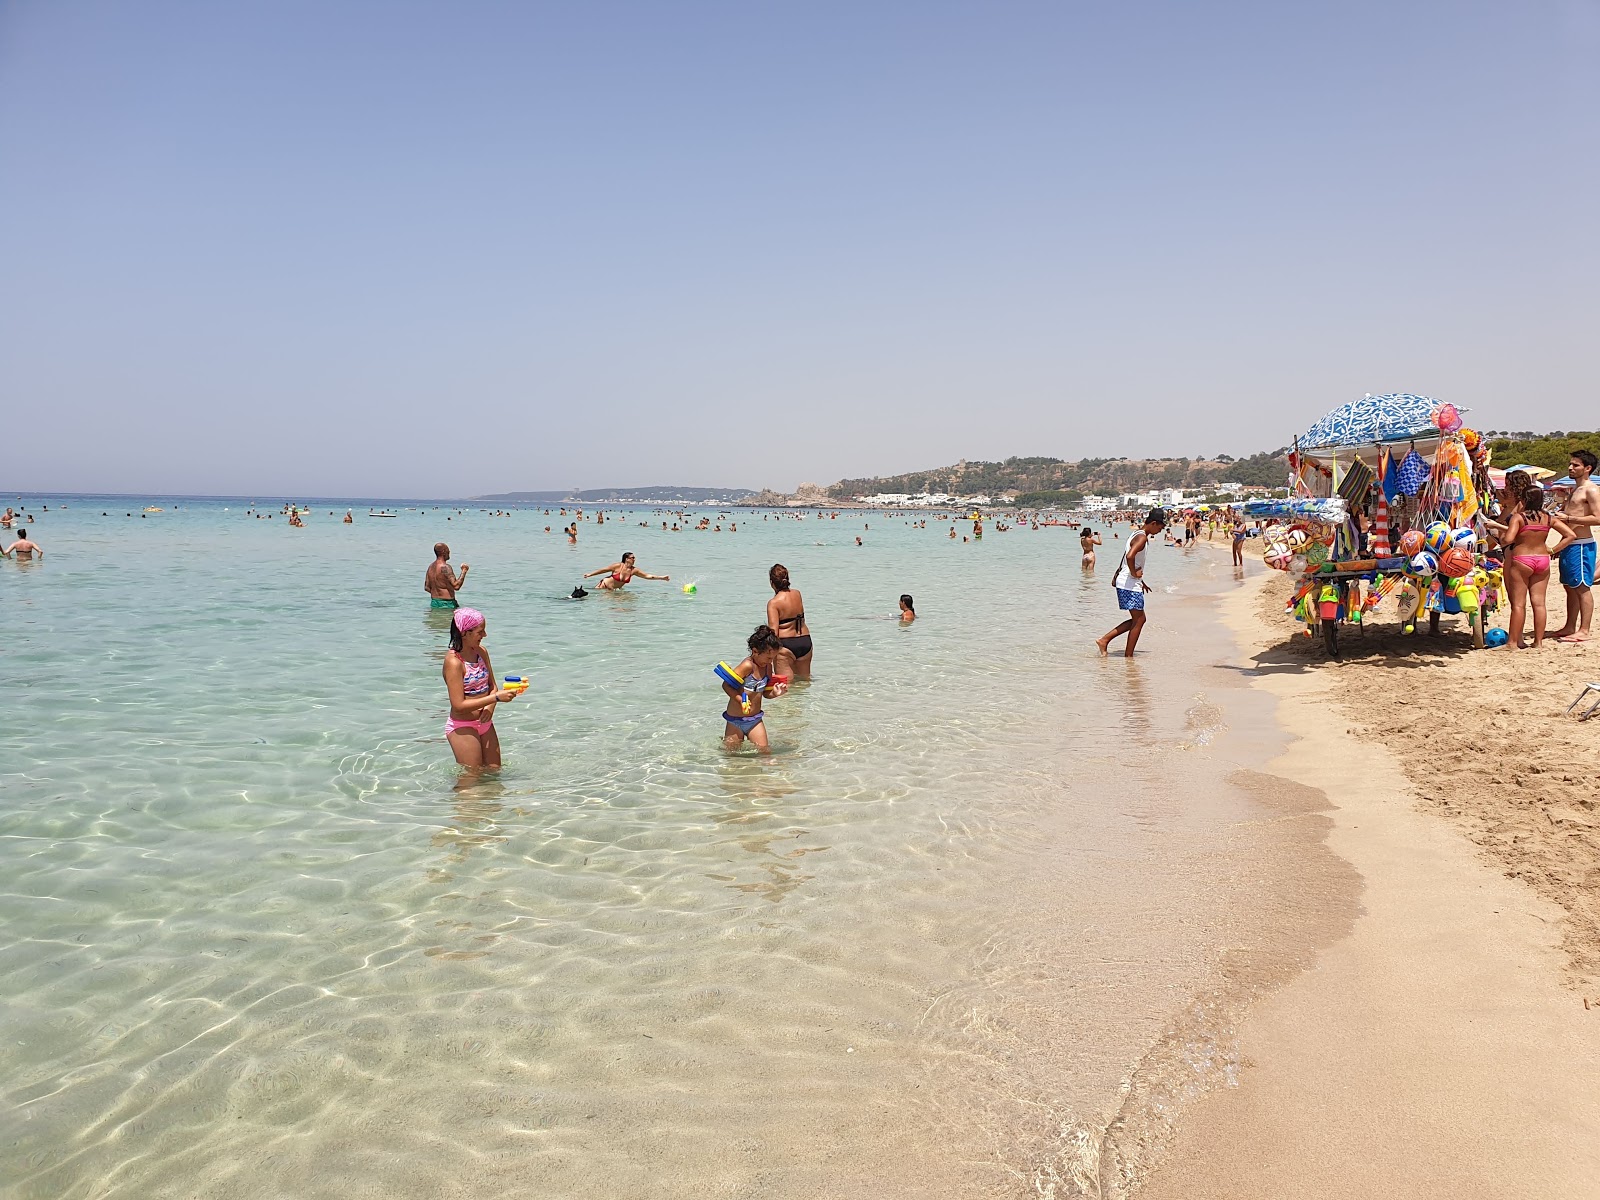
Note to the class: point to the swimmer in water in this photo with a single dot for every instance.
(908, 613)
(618, 574)
(1088, 540)
(469, 678)
(743, 718)
(440, 582)
(23, 549)
(786, 613)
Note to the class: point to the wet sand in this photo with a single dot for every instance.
(1444, 1048)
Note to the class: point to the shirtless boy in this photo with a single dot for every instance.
(1582, 512)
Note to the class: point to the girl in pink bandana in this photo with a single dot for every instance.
(473, 696)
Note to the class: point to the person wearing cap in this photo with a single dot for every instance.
(469, 678)
(1130, 585)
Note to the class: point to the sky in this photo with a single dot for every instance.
(437, 250)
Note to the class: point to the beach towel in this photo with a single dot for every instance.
(1412, 474)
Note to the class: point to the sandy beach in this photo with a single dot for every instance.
(1449, 1045)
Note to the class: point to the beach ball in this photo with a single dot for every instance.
(688, 589)
(1297, 565)
(1465, 538)
(1495, 637)
(1424, 565)
(1437, 536)
(1411, 542)
(1297, 537)
(1278, 556)
(1455, 562)
(1316, 553)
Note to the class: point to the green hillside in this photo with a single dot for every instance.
(1087, 475)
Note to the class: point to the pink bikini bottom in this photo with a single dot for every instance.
(478, 727)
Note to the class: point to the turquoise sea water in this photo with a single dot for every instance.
(257, 939)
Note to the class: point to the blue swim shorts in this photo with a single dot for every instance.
(1130, 601)
(1577, 565)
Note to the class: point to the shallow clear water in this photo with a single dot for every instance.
(257, 940)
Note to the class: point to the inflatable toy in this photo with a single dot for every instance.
(1278, 556)
(1437, 537)
(1411, 543)
(1465, 538)
(689, 589)
(1423, 566)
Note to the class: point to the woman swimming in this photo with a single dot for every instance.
(743, 718)
(1527, 562)
(1088, 540)
(473, 696)
(786, 613)
(618, 574)
(908, 612)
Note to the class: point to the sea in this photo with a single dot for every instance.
(972, 929)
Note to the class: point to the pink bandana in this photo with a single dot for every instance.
(468, 618)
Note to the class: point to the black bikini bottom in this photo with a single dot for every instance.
(797, 646)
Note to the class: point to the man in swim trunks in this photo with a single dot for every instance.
(441, 583)
(1577, 561)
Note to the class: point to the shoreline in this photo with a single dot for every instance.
(1438, 1048)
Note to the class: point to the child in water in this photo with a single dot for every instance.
(743, 716)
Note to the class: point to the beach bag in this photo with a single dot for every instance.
(1412, 475)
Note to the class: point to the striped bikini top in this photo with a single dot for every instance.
(474, 677)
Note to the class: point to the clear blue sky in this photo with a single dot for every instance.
(447, 248)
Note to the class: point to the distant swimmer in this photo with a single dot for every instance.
(1130, 585)
(23, 548)
(349, 517)
(786, 613)
(469, 677)
(1088, 540)
(908, 612)
(619, 573)
(441, 583)
(7, 521)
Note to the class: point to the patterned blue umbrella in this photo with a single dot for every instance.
(1370, 419)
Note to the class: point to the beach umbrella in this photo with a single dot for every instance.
(1497, 479)
(1533, 471)
(1566, 481)
(1371, 419)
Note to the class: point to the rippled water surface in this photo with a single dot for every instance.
(258, 942)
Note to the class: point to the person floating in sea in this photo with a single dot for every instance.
(441, 583)
(618, 574)
(1130, 585)
(1582, 512)
(908, 611)
(1088, 540)
(23, 549)
(469, 677)
(349, 517)
(743, 718)
(787, 611)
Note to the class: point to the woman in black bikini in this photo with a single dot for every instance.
(786, 613)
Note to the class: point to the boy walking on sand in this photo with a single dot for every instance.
(1582, 512)
(1130, 585)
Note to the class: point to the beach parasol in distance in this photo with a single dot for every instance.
(1533, 471)
(1390, 418)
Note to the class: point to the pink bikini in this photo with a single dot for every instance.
(1534, 562)
(474, 682)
